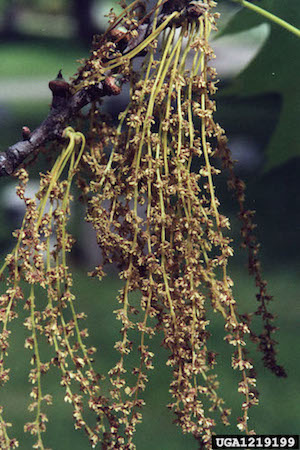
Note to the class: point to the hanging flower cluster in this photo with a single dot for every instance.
(150, 193)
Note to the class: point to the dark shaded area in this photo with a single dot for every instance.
(86, 26)
(277, 203)
(255, 117)
(9, 21)
(274, 195)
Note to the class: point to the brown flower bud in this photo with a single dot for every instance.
(25, 133)
(110, 83)
(118, 35)
(59, 86)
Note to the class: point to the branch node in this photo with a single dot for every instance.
(26, 133)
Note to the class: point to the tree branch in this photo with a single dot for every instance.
(63, 109)
(66, 105)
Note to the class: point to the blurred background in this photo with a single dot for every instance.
(37, 39)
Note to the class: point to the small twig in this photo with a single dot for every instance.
(64, 108)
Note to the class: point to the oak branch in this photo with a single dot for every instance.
(66, 105)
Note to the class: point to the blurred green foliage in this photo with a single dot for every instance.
(274, 69)
(44, 57)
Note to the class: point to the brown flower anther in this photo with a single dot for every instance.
(196, 9)
(111, 85)
(117, 35)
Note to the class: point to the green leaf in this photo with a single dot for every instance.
(275, 69)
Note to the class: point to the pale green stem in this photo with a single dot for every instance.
(282, 23)
(38, 367)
